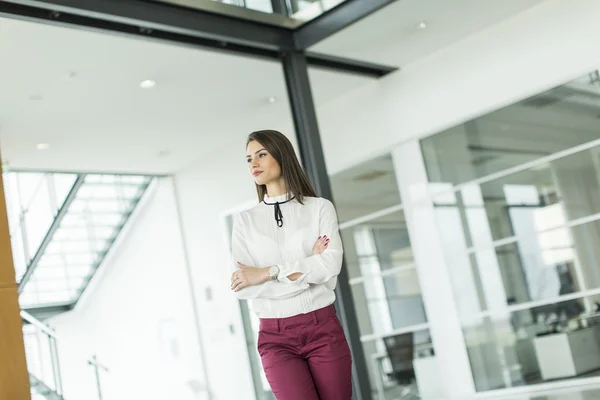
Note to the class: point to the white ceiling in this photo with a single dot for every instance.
(391, 35)
(101, 120)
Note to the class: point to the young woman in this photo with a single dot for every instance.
(289, 253)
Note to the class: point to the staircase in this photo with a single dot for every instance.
(62, 228)
(39, 390)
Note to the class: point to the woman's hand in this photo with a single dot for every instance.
(248, 276)
(321, 245)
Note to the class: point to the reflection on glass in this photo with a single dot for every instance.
(552, 121)
(383, 275)
(378, 245)
(508, 241)
(517, 273)
(529, 201)
(302, 10)
(403, 366)
(587, 246)
(535, 345)
(390, 302)
(365, 188)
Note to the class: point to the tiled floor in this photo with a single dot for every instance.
(564, 394)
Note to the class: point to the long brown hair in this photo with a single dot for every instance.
(295, 179)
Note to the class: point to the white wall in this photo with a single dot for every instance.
(542, 47)
(142, 287)
(207, 192)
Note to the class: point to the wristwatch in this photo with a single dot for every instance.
(273, 273)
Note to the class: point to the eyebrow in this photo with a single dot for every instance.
(248, 155)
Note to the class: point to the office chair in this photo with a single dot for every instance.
(400, 350)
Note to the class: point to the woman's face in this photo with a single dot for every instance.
(261, 164)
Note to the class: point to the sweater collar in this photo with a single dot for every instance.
(278, 199)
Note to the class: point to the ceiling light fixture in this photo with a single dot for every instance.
(42, 146)
(272, 99)
(422, 25)
(147, 84)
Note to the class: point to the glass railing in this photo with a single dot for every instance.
(50, 363)
(33, 200)
(62, 227)
(79, 238)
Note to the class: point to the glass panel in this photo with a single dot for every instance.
(555, 120)
(303, 10)
(83, 233)
(102, 206)
(82, 220)
(514, 274)
(365, 188)
(377, 245)
(521, 204)
(587, 247)
(108, 192)
(63, 183)
(387, 303)
(118, 179)
(54, 285)
(403, 366)
(38, 216)
(44, 273)
(28, 185)
(535, 345)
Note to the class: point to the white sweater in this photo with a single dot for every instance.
(258, 241)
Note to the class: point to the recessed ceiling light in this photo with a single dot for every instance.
(422, 25)
(147, 84)
(272, 99)
(42, 146)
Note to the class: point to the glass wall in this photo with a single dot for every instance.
(517, 204)
(384, 281)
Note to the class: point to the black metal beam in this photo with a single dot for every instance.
(295, 66)
(335, 20)
(348, 65)
(148, 16)
(50, 234)
(27, 12)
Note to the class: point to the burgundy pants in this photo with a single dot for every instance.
(306, 357)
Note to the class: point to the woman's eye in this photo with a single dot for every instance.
(262, 155)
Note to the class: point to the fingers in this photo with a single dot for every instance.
(321, 245)
(239, 285)
(236, 283)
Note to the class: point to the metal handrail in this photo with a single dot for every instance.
(33, 321)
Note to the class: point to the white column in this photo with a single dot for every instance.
(434, 275)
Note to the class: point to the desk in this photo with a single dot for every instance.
(568, 354)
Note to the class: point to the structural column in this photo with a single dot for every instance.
(311, 152)
(434, 273)
(14, 379)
